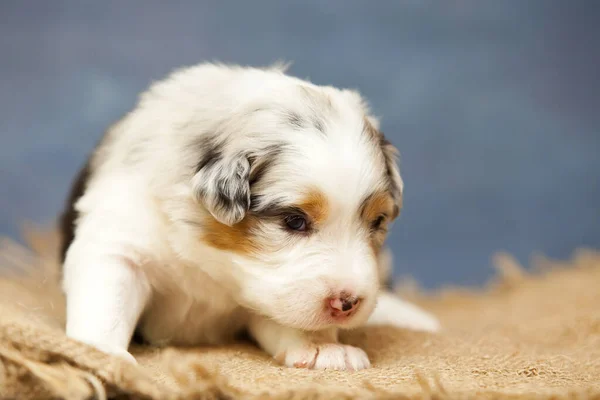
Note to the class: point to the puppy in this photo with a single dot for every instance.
(232, 199)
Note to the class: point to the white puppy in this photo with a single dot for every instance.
(235, 199)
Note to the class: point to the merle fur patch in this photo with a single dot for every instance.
(295, 120)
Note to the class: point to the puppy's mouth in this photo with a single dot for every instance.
(339, 313)
(331, 320)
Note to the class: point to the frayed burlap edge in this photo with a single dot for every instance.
(40, 363)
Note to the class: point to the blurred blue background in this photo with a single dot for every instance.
(495, 105)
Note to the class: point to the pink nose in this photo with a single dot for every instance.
(344, 305)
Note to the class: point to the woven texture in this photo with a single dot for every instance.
(532, 334)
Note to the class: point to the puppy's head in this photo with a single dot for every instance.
(299, 187)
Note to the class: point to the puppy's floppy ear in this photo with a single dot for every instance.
(222, 185)
(390, 154)
(390, 157)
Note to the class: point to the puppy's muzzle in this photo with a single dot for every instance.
(343, 305)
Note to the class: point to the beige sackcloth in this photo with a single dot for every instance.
(528, 334)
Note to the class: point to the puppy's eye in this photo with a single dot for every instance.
(296, 223)
(378, 222)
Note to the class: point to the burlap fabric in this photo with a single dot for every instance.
(532, 334)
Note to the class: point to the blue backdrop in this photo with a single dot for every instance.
(494, 105)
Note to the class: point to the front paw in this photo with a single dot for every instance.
(112, 350)
(325, 356)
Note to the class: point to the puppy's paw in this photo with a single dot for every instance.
(113, 350)
(125, 355)
(341, 357)
(326, 356)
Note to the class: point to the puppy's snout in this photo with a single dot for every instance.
(344, 304)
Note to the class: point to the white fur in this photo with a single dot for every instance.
(391, 310)
(138, 257)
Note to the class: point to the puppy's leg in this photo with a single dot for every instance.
(391, 310)
(105, 297)
(303, 349)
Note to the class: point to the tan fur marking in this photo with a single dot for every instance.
(377, 204)
(237, 238)
(315, 204)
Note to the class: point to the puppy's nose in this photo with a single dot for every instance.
(344, 304)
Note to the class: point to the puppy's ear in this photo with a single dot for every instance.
(222, 185)
(390, 153)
